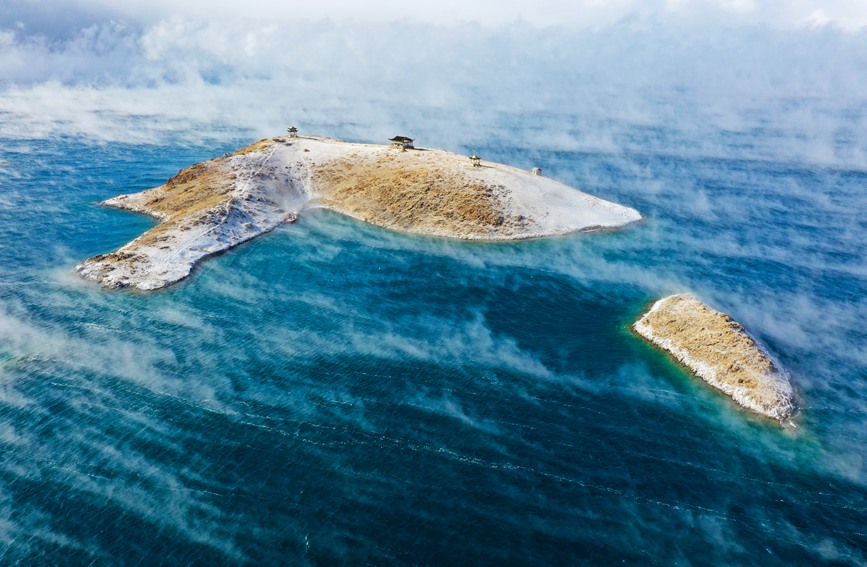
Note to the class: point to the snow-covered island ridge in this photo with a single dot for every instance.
(214, 205)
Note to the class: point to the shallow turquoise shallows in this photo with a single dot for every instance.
(334, 393)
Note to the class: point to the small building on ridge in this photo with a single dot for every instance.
(402, 142)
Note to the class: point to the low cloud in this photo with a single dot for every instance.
(610, 89)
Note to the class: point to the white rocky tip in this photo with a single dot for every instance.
(720, 351)
(220, 203)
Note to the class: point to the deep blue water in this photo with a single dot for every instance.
(333, 393)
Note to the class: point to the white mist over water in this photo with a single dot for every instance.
(197, 75)
(332, 375)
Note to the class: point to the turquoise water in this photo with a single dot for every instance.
(337, 393)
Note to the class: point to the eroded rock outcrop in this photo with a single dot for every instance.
(720, 351)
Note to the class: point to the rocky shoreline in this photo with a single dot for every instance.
(719, 351)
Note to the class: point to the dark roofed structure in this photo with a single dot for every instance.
(401, 142)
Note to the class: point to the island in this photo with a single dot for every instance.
(719, 351)
(217, 204)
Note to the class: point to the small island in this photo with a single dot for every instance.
(217, 204)
(719, 351)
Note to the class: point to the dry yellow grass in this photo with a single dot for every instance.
(258, 146)
(407, 192)
(189, 195)
(720, 351)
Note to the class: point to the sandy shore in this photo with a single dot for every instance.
(719, 351)
(220, 203)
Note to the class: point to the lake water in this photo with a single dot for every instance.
(334, 393)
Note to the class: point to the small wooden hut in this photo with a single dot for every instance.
(401, 142)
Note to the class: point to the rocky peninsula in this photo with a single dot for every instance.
(217, 204)
(719, 351)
